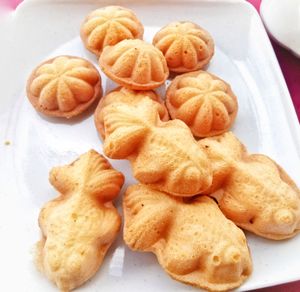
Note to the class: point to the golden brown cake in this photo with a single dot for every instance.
(79, 226)
(109, 25)
(64, 86)
(253, 191)
(163, 155)
(134, 64)
(193, 241)
(203, 101)
(127, 96)
(186, 46)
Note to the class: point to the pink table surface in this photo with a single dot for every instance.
(290, 66)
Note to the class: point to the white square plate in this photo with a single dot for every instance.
(266, 123)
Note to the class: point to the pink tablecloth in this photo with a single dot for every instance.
(290, 66)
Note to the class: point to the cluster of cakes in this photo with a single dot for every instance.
(192, 195)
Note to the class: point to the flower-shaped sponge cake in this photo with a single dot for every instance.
(64, 86)
(203, 101)
(253, 191)
(163, 155)
(134, 64)
(186, 46)
(127, 96)
(193, 240)
(109, 25)
(79, 226)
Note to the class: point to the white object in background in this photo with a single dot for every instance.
(282, 20)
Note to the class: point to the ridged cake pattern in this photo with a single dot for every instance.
(134, 64)
(203, 101)
(64, 86)
(109, 25)
(185, 45)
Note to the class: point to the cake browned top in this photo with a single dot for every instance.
(109, 25)
(203, 101)
(64, 86)
(134, 64)
(186, 46)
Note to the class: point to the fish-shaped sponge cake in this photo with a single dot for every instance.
(254, 191)
(192, 239)
(80, 225)
(163, 155)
